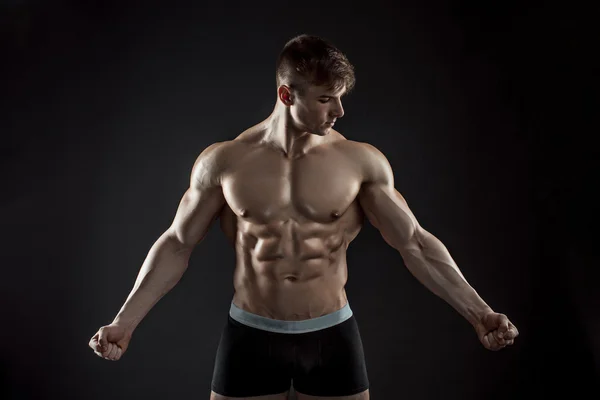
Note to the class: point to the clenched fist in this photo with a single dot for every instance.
(495, 331)
(110, 342)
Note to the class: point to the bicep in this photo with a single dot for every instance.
(383, 205)
(388, 211)
(198, 209)
(201, 204)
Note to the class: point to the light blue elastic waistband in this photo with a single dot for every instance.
(281, 326)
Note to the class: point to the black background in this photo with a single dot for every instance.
(485, 112)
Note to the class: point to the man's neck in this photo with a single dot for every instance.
(281, 134)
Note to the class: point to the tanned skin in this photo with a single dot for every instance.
(291, 193)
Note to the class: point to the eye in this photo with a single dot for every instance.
(324, 100)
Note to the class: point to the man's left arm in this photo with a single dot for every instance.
(424, 255)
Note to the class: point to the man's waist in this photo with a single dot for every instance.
(254, 320)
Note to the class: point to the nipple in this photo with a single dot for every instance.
(335, 214)
(243, 212)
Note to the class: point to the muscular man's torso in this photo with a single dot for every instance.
(291, 220)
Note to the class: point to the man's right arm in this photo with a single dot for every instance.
(168, 258)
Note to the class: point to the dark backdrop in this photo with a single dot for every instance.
(486, 114)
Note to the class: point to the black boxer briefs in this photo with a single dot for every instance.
(259, 356)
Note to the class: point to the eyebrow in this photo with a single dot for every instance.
(328, 95)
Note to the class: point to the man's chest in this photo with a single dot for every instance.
(265, 186)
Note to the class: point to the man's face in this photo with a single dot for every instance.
(317, 109)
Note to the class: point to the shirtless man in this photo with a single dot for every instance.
(291, 194)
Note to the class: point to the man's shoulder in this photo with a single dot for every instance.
(372, 162)
(361, 151)
(215, 153)
(218, 157)
(359, 148)
(213, 161)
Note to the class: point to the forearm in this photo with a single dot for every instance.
(163, 268)
(429, 261)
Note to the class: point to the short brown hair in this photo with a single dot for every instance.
(311, 60)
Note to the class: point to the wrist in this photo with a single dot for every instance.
(475, 314)
(127, 324)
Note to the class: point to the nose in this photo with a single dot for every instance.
(338, 111)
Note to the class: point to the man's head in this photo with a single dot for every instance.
(312, 75)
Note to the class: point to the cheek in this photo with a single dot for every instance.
(310, 115)
(303, 114)
(298, 114)
(319, 111)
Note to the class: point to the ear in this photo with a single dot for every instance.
(285, 95)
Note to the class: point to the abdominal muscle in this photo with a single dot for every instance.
(305, 280)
